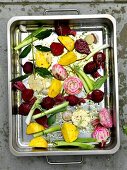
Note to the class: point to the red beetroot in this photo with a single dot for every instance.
(59, 99)
(42, 120)
(96, 74)
(99, 59)
(47, 103)
(97, 96)
(74, 100)
(56, 48)
(18, 85)
(62, 28)
(27, 94)
(90, 68)
(82, 46)
(24, 108)
(28, 67)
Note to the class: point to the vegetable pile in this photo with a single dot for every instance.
(64, 75)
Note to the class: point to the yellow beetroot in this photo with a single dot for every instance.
(67, 41)
(69, 132)
(55, 88)
(38, 142)
(68, 58)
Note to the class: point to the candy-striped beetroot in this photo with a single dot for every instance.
(101, 134)
(105, 118)
(59, 72)
(73, 85)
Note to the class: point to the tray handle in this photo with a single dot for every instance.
(64, 160)
(61, 11)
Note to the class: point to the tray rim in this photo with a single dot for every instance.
(80, 152)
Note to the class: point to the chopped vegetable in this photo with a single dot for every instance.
(49, 130)
(72, 85)
(35, 106)
(28, 67)
(81, 118)
(90, 39)
(105, 118)
(55, 109)
(27, 94)
(40, 33)
(67, 41)
(67, 59)
(38, 142)
(43, 59)
(97, 96)
(56, 48)
(59, 72)
(90, 68)
(47, 102)
(67, 115)
(86, 146)
(55, 88)
(34, 127)
(82, 47)
(69, 132)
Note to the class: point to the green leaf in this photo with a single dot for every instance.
(99, 82)
(42, 48)
(43, 72)
(51, 119)
(44, 34)
(20, 78)
(25, 52)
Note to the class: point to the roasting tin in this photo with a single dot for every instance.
(105, 27)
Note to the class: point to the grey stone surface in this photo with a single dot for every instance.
(117, 161)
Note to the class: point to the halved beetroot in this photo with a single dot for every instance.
(56, 48)
(82, 46)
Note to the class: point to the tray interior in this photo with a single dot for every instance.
(104, 30)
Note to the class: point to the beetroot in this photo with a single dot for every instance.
(27, 94)
(18, 85)
(59, 72)
(73, 100)
(56, 48)
(42, 120)
(28, 67)
(62, 28)
(97, 96)
(24, 108)
(59, 99)
(96, 74)
(47, 103)
(82, 46)
(99, 59)
(90, 68)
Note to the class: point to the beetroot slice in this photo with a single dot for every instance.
(82, 46)
(42, 120)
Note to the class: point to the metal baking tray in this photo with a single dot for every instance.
(104, 26)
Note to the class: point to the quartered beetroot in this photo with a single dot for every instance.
(62, 28)
(99, 59)
(47, 102)
(27, 94)
(82, 46)
(56, 48)
(18, 85)
(42, 120)
(74, 100)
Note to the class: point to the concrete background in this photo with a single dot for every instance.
(11, 8)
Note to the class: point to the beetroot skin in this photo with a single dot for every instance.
(47, 103)
(82, 46)
(56, 48)
(28, 67)
(27, 94)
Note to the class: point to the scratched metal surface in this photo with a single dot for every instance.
(9, 8)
